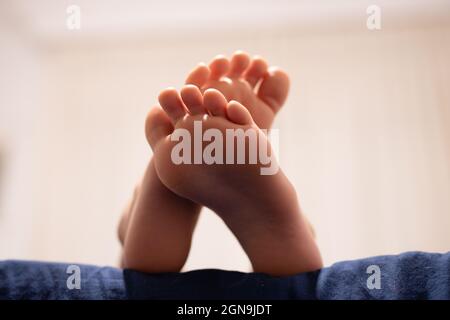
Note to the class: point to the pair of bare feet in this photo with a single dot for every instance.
(261, 210)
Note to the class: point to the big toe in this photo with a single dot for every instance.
(199, 75)
(157, 126)
(274, 88)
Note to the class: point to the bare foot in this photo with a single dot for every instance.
(261, 210)
(262, 90)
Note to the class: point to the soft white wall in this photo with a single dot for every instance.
(364, 138)
(20, 94)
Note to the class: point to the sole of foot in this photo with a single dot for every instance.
(261, 210)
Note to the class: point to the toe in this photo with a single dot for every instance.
(219, 67)
(239, 62)
(157, 126)
(199, 75)
(237, 113)
(256, 70)
(193, 99)
(214, 102)
(274, 88)
(172, 104)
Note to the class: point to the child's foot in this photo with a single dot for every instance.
(261, 210)
(263, 91)
(260, 89)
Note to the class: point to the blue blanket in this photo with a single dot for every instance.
(412, 275)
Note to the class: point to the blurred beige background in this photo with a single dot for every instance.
(365, 135)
